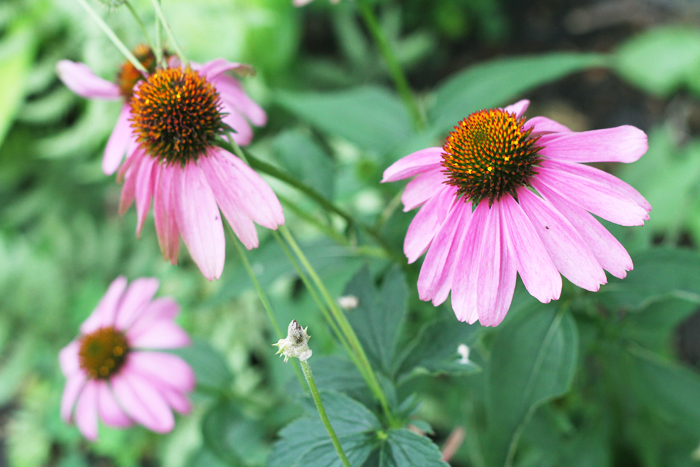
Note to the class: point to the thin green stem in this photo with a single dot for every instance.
(339, 316)
(139, 22)
(168, 30)
(159, 45)
(322, 413)
(392, 62)
(113, 37)
(261, 293)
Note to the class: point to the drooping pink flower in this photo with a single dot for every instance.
(235, 103)
(507, 195)
(177, 116)
(115, 370)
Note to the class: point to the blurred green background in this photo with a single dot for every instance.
(336, 123)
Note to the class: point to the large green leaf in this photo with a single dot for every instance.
(233, 438)
(16, 53)
(498, 82)
(371, 117)
(404, 448)
(532, 361)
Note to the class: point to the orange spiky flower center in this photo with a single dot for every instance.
(176, 115)
(103, 352)
(128, 75)
(490, 154)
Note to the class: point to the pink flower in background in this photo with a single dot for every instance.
(505, 195)
(177, 116)
(115, 370)
(236, 104)
(306, 2)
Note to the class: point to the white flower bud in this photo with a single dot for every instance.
(348, 302)
(463, 352)
(296, 344)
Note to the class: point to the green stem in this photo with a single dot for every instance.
(346, 328)
(139, 22)
(322, 413)
(113, 37)
(261, 293)
(160, 60)
(392, 62)
(173, 42)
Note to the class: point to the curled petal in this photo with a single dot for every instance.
(519, 108)
(213, 69)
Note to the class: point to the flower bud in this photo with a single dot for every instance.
(296, 344)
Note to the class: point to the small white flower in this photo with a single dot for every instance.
(463, 352)
(348, 302)
(296, 344)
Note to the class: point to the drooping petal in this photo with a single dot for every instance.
(68, 358)
(131, 181)
(539, 274)
(620, 144)
(519, 108)
(118, 142)
(569, 252)
(421, 188)
(426, 223)
(161, 334)
(214, 68)
(413, 164)
(167, 368)
(108, 407)
(230, 203)
(506, 283)
(602, 200)
(86, 411)
(142, 402)
(611, 255)
(135, 300)
(199, 220)
(544, 125)
(104, 312)
(74, 386)
(233, 95)
(164, 309)
(175, 399)
(80, 79)
(145, 179)
(243, 132)
(164, 214)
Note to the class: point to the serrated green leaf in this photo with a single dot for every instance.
(498, 82)
(404, 448)
(533, 360)
(371, 117)
(379, 314)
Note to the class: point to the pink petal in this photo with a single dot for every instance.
(160, 335)
(603, 200)
(160, 309)
(104, 312)
(506, 283)
(421, 188)
(243, 132)
(81, 80)
(108, 407)
(176, 400)
(539, 274)
(145, 179)
(611, 255)
(135, 300)
(86, 411)
(199, 220)
(170, 369)
(118, 142)
(413, 164)
(142, 402)
(543, 125)
(568, 250)
(233, 94)
(74, 386)
(229, 202)
(621, 144)
(519, 108)
(427, 222)
(68, 358)
(131, 181)
(164, 214)
(214, 68)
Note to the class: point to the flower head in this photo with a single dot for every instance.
(177, 115)
(114, 368)
(506, 196)
(296, 344)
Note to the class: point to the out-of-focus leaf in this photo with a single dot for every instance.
(379, 314)
(303, 158)
(404, 448)
(206, 458)
(661, 60)
(657, 274)
(532, 361)
(434, 350)
(16, 52)
(339, 374)
(371, 117)
(209, 366)
(16, 364)
(305, 442)
(498, 82)
(233, 438)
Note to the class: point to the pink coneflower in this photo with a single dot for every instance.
(177, 116)
(506, 195)
(81, 80)
(112, 369)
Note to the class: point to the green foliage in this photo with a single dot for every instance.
(405, 448)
